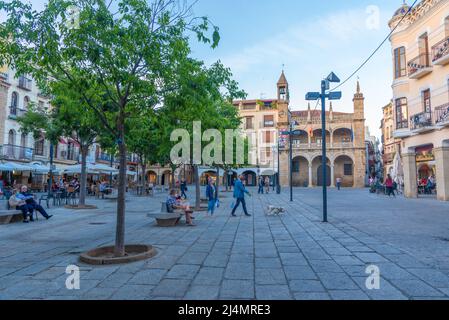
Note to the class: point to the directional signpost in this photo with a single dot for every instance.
(325, 86)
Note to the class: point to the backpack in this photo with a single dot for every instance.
(13, 202)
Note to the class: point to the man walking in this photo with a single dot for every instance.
(183, 188)
(239, 195)
(261, 183)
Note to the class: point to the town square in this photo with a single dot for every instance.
(182, 150)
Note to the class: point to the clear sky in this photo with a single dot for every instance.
(311, 38)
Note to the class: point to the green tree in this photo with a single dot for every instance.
(125, 54)
(204, 95)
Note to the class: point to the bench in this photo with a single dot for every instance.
(10, 216)
(111, 196)
(166, 219)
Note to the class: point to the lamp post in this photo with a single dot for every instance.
(278, 185)
(290, 134)
(331, 96)
(50, 179)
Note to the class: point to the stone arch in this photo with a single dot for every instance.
(204, 178)
(317, 171)
(166, 178)
(344, 169)
(301, 138)
(250, 178)
(152, 177)
(342, 136)
(317, 137)
(300, 171)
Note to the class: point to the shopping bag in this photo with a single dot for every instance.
(217, 203)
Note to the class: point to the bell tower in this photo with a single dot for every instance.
(283, 100)
(358, 127)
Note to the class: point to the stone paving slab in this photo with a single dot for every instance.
(294, 256)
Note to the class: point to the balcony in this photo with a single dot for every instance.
(419, 67)
(442, 115)
(440, 53)
(12, 152)
(25, 83)
(15, 112)
(68, 156)
(421, 122)
(388, 158)
(343, 145)
(105, 157)
(268, 124)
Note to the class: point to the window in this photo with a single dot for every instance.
(39, 146)
(400, 63)
(267, 137)
(426, 101)
(249, 123)
(26, 102)
(268, 121)
(14, 103)
(348, 169)
(401, 113)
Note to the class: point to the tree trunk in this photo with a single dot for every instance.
(119, 250)
(197, 189)
(83, 182)
(144, 170)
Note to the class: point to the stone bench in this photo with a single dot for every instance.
(10, 216)
(111, 196)
(166, 219)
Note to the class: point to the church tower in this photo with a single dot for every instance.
(358, 132)
(283, 123)
(283, 100)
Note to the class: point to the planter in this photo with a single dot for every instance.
(85, 207)
(105, 255)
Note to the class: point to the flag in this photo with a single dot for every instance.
(311, 132)
(352, 134)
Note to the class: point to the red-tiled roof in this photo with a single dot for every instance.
(315, 113)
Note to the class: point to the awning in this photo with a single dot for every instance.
(62, 141)
(12, 166)
(76, 144)
(268, 172)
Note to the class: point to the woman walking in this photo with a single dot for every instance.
(211, 195)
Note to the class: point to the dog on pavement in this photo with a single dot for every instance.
(275, 211)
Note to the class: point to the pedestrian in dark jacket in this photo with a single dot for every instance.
(239, 195)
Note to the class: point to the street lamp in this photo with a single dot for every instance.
(273, 148)
(331, 96)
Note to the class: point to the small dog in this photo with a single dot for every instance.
(275, 211)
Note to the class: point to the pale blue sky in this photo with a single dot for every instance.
(311, 38)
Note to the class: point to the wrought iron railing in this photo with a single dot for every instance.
(419, 63)
(421, 120)
(15, 111)
(442, 113)
(440, 50)
(13, 152)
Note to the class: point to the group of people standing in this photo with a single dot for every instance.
(264, 185)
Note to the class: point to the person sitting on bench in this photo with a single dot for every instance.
(18, 204)
(174, 204)
(31, 203)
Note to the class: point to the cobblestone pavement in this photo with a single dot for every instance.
(260, 257)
